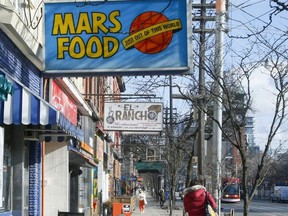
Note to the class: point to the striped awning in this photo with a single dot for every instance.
(22, 107)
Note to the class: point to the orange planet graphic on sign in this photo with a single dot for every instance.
(158, 41)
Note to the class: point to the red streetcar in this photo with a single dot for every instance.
(231, 190)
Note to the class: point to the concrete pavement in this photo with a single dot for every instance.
(153, 209)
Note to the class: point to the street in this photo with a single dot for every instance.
(257, 208)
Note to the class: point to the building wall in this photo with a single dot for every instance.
(23, 22)
(56, 191)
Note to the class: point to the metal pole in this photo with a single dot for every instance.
(171, 171)
(201, 114)
(217, 133)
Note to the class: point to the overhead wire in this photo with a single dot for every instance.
(243, 8)
(254, 32)
(280, 39)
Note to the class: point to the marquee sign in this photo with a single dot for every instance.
(140, 37)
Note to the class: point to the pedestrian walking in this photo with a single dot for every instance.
(195, 199)
(161, 197)
(142, 200)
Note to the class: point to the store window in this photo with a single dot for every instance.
(84, 189)
(5, 170)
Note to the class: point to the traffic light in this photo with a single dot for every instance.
(5, 88)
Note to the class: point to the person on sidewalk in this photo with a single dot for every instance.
(142, 200)
(161, 197)
(194, 200)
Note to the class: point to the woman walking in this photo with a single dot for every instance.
(195, 199)
(142, 200)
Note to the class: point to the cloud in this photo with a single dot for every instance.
(263, 105)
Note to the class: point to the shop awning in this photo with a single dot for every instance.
(22, 107)
(152, 167)
(70, 128)
(80, 159)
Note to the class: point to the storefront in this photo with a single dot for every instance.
(38, 145)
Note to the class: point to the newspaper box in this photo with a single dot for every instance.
(122, 209)
(123, 205)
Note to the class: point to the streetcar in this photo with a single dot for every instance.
(230, 190)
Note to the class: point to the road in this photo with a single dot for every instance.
(258, 208)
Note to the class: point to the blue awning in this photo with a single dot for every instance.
(70, 128)
(51, 133)
(23, 107)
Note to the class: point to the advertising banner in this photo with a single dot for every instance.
(100, 147)
(133, 116)
(139, 37)
(62, 102)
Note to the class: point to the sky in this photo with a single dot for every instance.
(263, 104)
(248, 17)
(254, 15)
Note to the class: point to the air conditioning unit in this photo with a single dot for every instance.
(31, 136)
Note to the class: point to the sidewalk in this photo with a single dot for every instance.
(153, 209)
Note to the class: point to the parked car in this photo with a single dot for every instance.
(280, 194)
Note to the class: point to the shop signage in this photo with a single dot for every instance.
(63, 103)
(118, 37)
(100, 147)
(133, 116)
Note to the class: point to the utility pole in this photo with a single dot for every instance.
(217, 133)
(202, 48)
(201, 117)
(170, 147)
(217, 125)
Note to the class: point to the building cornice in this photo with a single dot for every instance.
(21, 36)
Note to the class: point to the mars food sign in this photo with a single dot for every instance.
(133, 116)
(142, 37)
